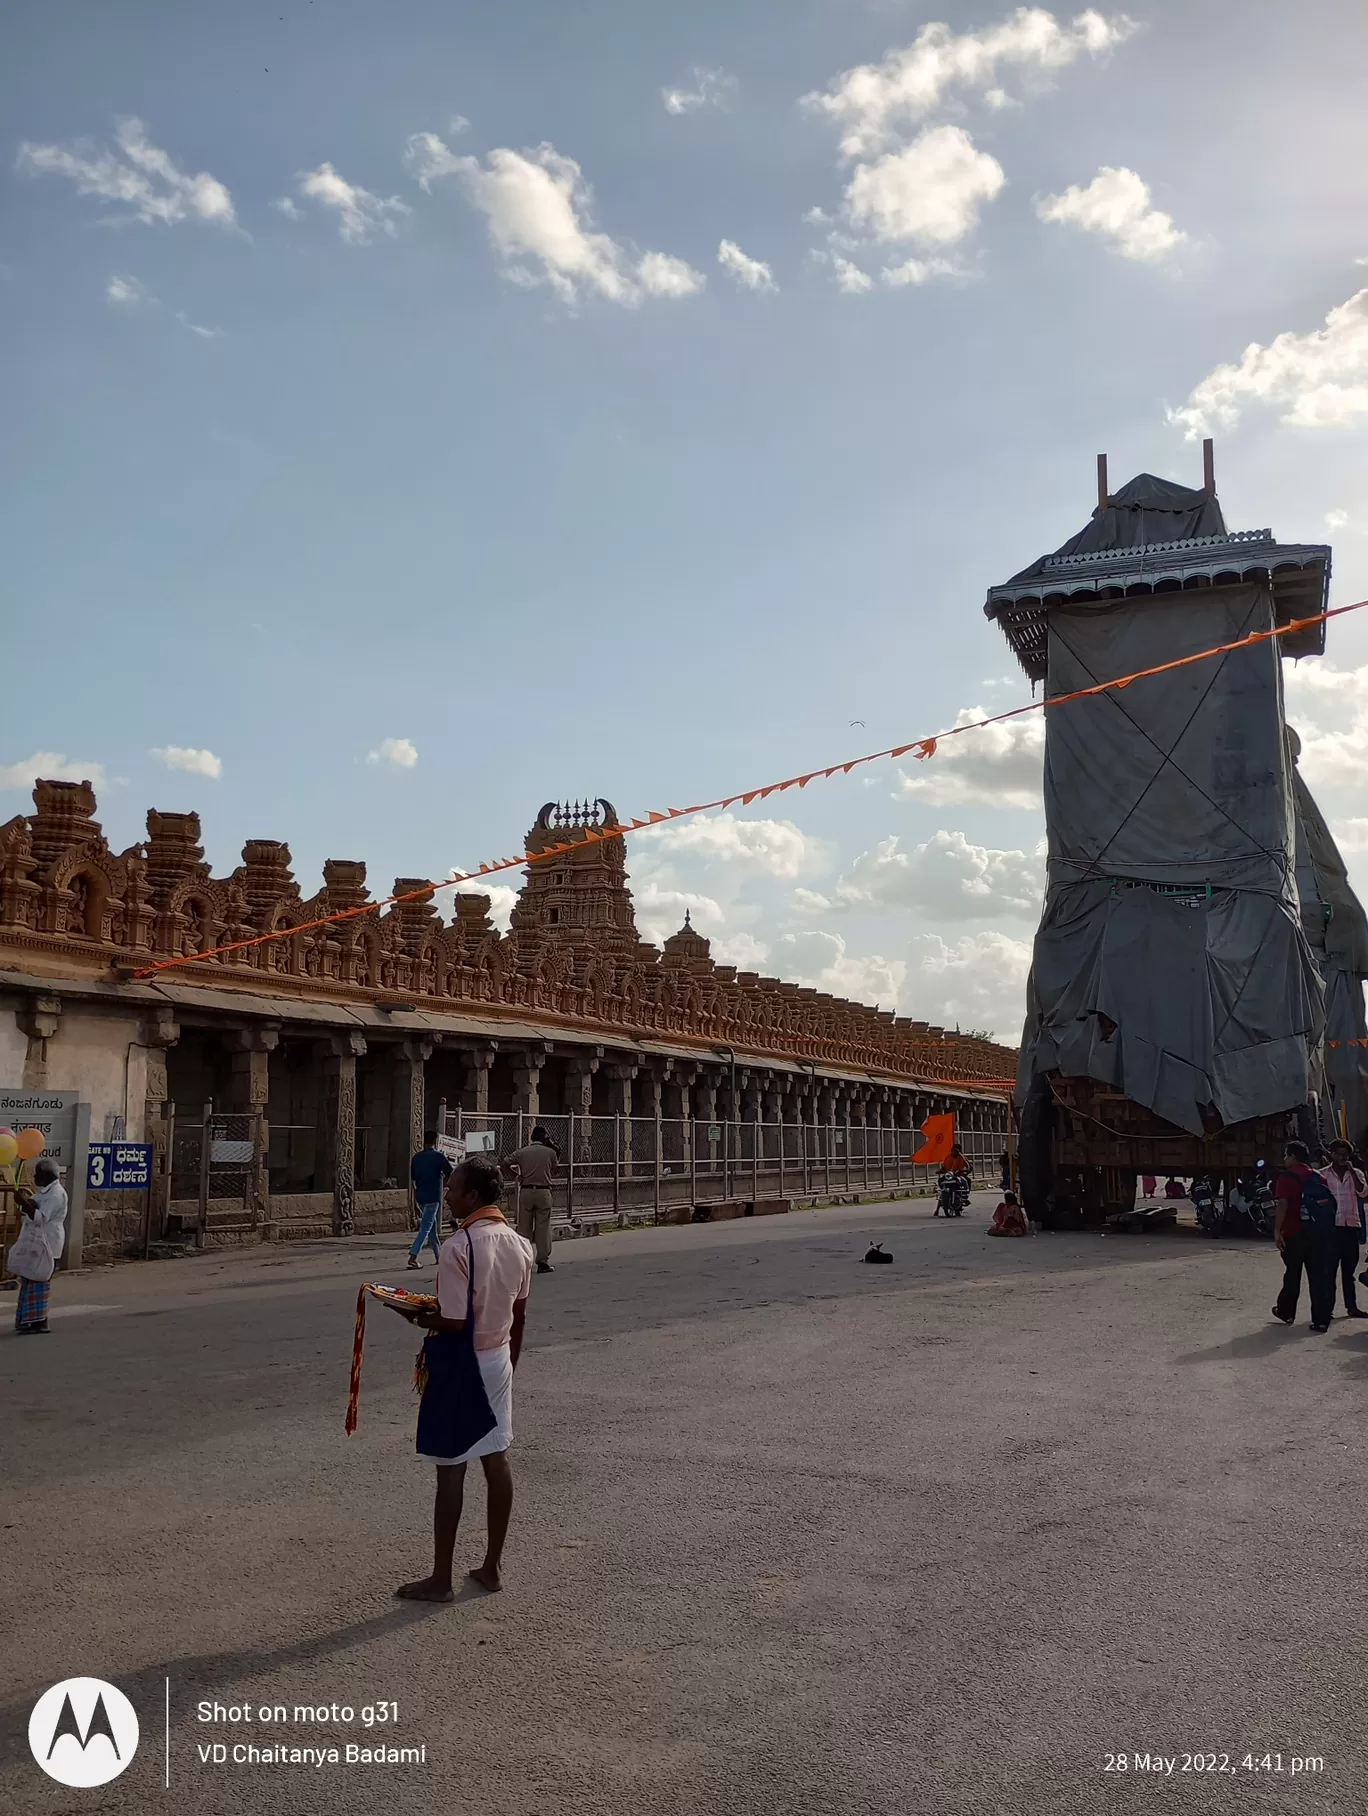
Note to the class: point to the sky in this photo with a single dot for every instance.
(416, 413)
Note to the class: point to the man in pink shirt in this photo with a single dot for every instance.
(1347, 1184)
(502, 1263)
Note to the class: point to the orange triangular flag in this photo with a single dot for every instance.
(940, 1138)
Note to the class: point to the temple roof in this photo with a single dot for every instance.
(1155, 536)
(687, 944)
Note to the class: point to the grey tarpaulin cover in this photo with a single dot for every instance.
(1338, 932)
(1171, 961)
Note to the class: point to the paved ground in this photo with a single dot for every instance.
(793, 1535)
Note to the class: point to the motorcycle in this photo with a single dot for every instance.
(952, 1195)
(1251, 1205)
(1209, 1210)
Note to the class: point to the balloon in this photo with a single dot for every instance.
(30, 1143)
(9, 1151)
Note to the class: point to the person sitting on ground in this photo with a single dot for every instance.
(534, 1167)
(1175, 1189)
(502, 1265)
(1009, 1219)
(1347, 1183)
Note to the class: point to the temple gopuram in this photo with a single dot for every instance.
(322, 1055)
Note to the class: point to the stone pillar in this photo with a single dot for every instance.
(251, 1088)
(408, 1105)
(526, 1080)
(704, 1095)
(39, 1022)
(159, 1031)
(337, 1133)
(475, 1095)
(679, 1106)
(622, 1074)
(579, 1100)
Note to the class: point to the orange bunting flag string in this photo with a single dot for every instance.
(924, 748)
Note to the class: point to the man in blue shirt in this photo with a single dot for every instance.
(429, 1172)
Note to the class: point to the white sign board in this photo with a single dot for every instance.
(480, 1141)
(52, 1112)
(453, 1147)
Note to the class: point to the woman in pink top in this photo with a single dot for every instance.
(503, 1278)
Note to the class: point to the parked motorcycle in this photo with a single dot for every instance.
(1250, 1209)
(1209, 1210)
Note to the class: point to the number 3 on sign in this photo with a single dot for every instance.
(96, 1177)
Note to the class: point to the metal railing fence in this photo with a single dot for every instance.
(615, 1164)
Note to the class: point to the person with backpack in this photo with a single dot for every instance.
(1346, 1182)
(1304, 1230)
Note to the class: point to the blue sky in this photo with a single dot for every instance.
(348, 412)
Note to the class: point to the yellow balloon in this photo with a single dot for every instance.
(9, 1150)
(30, 1143)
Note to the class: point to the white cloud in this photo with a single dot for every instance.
(997, 766)
(752, 274)
(1352, 837)
(1337, 519)
(540, 212)
(661, 274)
(776, 847)
(929, 191)
(360, 215)
(142, 179)
(194, 762)
(1318, 380)
(208, 334)
(1329, 708)
(128, 292)
(399, 753)
(430, 158)
(823, 961)
(1116, 205)
(740, 949)
(947, 877)
(871, 103)
(919, 271)
(660, 910)
(848, 277)
(288, 207)
(978, 981)
(711, 88)
(49, 766)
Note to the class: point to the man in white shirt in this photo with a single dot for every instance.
(502, 1263)
(1347, 1183)
(40, 1243)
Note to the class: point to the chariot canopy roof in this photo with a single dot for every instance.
(1155, 536)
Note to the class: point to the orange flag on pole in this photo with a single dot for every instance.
(939, 1132)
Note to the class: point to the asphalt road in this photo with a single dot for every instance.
(793, 1534)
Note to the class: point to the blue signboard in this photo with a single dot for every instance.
(118, 1166)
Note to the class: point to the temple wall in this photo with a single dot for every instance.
(161, 993)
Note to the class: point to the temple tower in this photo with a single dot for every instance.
(578, 898)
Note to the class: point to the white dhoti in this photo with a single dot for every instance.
(496, 1371)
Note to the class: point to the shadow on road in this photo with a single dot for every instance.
(1257, 1343)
